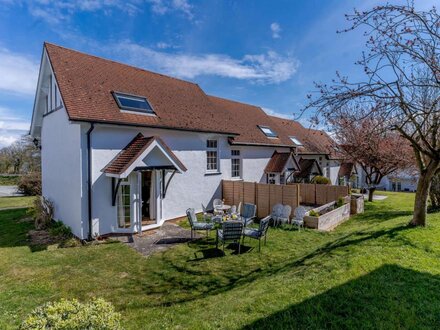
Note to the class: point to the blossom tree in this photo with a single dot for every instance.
(401, 63)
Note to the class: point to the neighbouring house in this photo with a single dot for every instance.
(315, 145)
(125, 149)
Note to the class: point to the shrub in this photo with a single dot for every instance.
(321, 180)
(73, 315)
(313, 213)
(340, 202)
(30, 184)
(42, 212)
(59, 229)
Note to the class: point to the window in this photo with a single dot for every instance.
(295, 140)
(271, 178)
(50, 93)
(133, 103)
(235, 164)
(268, 131)
(328, 170)
(282, 178)
(211, 156)
(124, 205)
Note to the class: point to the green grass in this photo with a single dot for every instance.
(9, 180)
(6, 202)
(371, 272)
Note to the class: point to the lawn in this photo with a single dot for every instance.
(6, 202)
(371, 272)
(9, 180)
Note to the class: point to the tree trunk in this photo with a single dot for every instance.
(370, 194)
(421, 199)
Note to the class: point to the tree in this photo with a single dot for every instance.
(402, 84)
(378, 151)
(22, 156)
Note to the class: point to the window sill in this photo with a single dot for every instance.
(236, 179)
(213, 173)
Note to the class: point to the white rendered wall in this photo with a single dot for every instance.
(189, 189)
(61, 169)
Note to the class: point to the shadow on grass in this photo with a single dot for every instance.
(13, 230)
(389, 297)
(180, 281)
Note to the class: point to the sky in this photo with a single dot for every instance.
(266, 53)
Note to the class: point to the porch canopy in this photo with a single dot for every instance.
(281, 162)
(309, 169)
(143, 153)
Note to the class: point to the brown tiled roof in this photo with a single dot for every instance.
(86, 84)
(132, 151)
(314, 141)
(277, 162)
(245, 119)
(306, 166)
(346, 169)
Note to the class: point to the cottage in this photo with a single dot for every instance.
(125, 149)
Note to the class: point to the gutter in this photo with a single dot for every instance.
(89, 180)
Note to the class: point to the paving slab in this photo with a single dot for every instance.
(160, 239)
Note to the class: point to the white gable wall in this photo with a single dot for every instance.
(61, 169)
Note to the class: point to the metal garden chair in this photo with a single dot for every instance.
(258, 233)
(249, 213)
(231, 232)
(196, 225)
(298, 219)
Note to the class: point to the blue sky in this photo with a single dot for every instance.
(266, 53)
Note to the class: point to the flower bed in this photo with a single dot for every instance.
(327, 217)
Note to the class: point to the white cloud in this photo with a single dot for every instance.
(268, 68)
(11, 127)
(276, 30)
(19, 73)
(275, 113)
(162, 7)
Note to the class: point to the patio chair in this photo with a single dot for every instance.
(277, 210)
(285, 214)
(258, 233)
(218, 206)
(206, 215)
(231, 232)
(196, 225)
(248, 215)
(298, 219)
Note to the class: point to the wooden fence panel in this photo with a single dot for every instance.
(238, 192)
(263, 205)
(290, 196)
(321, 194)
(265, 196)
(249, 192)
(275, 196)
(228, 192)
(307, 193)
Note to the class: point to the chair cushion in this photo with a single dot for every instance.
(254, 233)
(202, 226)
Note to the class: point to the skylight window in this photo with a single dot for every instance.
(268, 131)
(296, 141)
(133, 103)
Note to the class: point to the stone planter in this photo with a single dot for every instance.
(357, 204)
(329, 220)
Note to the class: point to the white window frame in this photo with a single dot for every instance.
(240, 167)
(212, 149)
(124, 183)
(269, 132)
(295, 140)
(271, 177)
